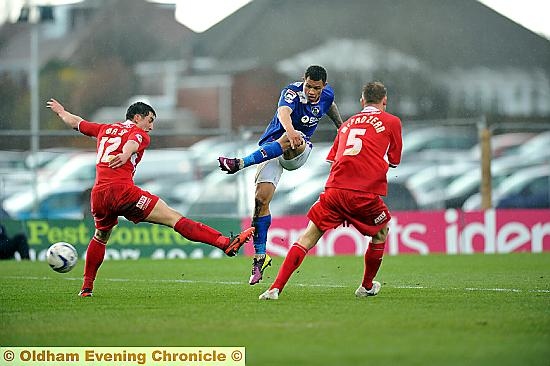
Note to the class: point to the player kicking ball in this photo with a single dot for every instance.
(365, 146)
(285, 145)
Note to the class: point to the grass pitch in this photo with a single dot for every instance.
(432, 310)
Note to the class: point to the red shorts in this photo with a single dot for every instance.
(128, 200)
(365, 211)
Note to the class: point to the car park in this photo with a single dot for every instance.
(504, 144)
(527, 188)
(442, 139)
(56, 201)
(428, 185)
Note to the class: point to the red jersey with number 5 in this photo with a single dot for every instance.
(365, 146)
(110, 140)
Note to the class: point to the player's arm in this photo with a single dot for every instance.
(295, 138)
(70, 119)
(331, 156)
(128, 149)
(334, 115)
(396, 146)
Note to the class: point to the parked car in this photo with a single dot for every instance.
(14, 174)
(468, 184)
(527, 188)
(428, 185)
(504, 144)
(535, 145)
(56, 201)
(438, 144)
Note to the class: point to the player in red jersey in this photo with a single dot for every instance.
(120, 147)
(365, 146)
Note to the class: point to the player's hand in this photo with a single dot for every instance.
(118, 160)
(295, 138)
(55, 106)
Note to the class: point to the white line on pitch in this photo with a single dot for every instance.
(412, 287)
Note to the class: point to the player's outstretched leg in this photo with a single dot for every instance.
(230, 165)
(237, 241)
(199, 232)
(265, 152)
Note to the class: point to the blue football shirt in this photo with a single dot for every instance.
(305, 115)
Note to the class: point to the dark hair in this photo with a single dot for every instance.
(374, 92)
(316, 73)
(139, 108)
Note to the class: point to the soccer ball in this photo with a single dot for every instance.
(62, 257)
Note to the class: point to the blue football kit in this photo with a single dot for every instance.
(305, 115)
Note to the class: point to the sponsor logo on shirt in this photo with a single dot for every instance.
(309, 121)
(380, 218)
(143, 202)
(289, 95)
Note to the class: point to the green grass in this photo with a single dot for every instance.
(432, 310)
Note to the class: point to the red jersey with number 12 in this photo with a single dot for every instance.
(365, 146)
(110, 140)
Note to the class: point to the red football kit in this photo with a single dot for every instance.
(114, 193)
(365, 146)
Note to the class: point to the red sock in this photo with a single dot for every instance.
(94, 257)
(293, 259)
(200, 232)
(373, 259)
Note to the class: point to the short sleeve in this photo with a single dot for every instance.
(88, 128)
(288, 98)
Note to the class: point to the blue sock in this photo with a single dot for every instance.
(265, 152)
(261, 224)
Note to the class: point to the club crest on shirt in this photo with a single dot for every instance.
(139, 138)
(289, 95)
(315, 110)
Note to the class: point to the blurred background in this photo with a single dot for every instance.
(453, 69)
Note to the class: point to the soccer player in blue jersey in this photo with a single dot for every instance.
(285, 144)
